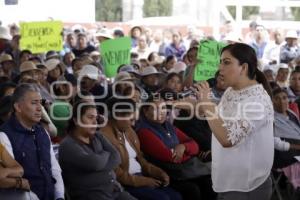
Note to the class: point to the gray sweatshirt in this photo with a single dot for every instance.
(88, 169)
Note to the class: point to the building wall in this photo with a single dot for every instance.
(41, 10)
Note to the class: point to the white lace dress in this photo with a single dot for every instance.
(248, 118)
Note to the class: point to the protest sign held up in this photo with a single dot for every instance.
(209, 57)
(114, 53)
(41, 37)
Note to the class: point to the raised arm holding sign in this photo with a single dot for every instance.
(209, 57)
(114, 53)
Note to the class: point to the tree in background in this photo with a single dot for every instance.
(155, 8)
(296, 13)
(248, 11)
(109, 10)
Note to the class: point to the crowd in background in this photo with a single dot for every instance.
(52, 104)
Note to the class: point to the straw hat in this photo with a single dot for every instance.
(6, 57)
(27, 66)
(4, 33)
(149, 71)
(123, 76)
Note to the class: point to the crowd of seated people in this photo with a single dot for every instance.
(131, 136)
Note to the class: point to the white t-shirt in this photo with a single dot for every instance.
(272, 52)
(248, 118)
(59, 189)
(134, 166)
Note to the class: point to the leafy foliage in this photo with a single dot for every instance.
(154, 8)
(109, 10)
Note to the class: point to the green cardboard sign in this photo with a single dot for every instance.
(209, 57)
(40, 37)
(114, 53)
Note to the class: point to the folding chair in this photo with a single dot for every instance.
(275, 184)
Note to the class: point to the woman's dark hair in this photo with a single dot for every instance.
(217, 74)
(75, 60)
(184, 56)
(128, 91)
(274, 85)
(36, 58)
(152, 98)
(4, 79)
(51, 54)
(5, 86)
(119, 104)
(78, 98)
(119, 33)
(171, 75)
(41, 66)
(194, 43)
(189, 52)
(6, 106)
(57, 90)
(65, 57)
(151, 56)
(246, 54)
(297, 68)
(134, 55)
(135, 27)
(278, 91)
(79, 109)
(295, 71)
(169, 58)
(24, 52)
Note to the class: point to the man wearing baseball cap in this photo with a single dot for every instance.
(92, 80)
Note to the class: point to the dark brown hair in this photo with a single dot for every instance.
(246, 54)
(78, 113)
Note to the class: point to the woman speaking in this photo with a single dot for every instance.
(242, 141)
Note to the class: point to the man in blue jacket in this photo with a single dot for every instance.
(30, 144)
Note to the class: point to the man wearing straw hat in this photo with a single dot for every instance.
(291, 49)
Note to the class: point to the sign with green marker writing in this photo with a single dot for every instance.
(114, 53)
(39, 37)
(209, 57)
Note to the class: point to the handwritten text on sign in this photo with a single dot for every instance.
(41, 37)
(115, 53)
(209, 57)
